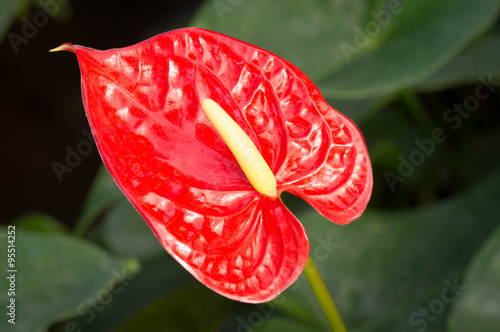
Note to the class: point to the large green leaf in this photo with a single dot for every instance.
(423, 37)
(480, 58)
(41, 222)
(306, 33)
(188, 309)
(8, 10)
(281, 324)
(388, 51)
(158, 277)
(103, 194)
(384, 267)
(479, 307)
(359, 110)
(57, 277)
(128, 234)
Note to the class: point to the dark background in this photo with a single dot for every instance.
(41, 109)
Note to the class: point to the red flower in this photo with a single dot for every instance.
(143, 103)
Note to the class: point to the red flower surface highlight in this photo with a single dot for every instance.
(143, 103)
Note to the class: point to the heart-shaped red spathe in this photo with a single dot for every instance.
(143, 103)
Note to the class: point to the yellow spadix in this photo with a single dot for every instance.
(249, 158)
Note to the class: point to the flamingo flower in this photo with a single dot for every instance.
(202, 133)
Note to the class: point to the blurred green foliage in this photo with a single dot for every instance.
(478, 309)
(424, 256)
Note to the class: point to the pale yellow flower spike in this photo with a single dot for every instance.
(251, 162)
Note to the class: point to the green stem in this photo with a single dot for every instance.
(324, 298)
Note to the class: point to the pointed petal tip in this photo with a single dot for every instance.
(64, 47)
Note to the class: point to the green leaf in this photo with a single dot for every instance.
(8, 9)
(293, 29)
(480, 58)
(391, 47)
(384, 267)
(41, 222)
(413, 46)
(359, 110)
(158, 277)
(479, 307)
(103, 194)
(293, 307)
(190, 309)
(286, 325)
(57, 277)
(128, 234)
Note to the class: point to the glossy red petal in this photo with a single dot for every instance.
(341, 187)
(144, 107)
(250, 256)
(288, 109)
(143, 104)
(152, 133)
(323, 156)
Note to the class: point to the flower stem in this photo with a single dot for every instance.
(324, 298)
